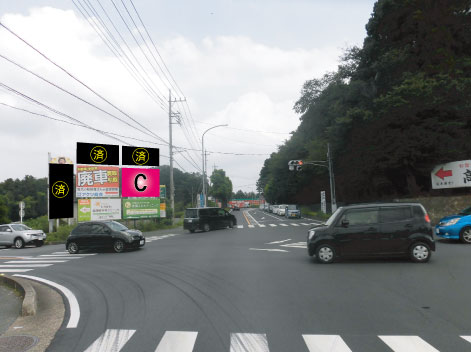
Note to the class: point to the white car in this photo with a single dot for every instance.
(18, 235)
(281, 209)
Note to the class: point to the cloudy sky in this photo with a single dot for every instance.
(237, 62)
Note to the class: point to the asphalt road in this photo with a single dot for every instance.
(256, 289)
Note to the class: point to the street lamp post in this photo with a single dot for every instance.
(202, 157)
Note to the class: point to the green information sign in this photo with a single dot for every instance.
(141, 208)
(163, 191)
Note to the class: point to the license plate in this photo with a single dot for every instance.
(142, 242)
(190, 220)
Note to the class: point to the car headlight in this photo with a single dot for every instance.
(451, 222)
(311, 233)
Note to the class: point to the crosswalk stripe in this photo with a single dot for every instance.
(240, 226)
(61, 254)
(25, 265)
(303, 223)
(181, 341)
(294, 224)
(407, 343)
(34, 261)
(14, 270)
(251, 226)
(283, 225)
(112, 340)
(249, 343)
(467, 338)
(46, 256)
(325, 343)
(261, 225)
(272, 225)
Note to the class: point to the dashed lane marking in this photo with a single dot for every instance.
(111, 340)
(407, 343)
(249, 343)
(181, 341)
(322, 343)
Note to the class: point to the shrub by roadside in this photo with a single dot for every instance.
(305, 211)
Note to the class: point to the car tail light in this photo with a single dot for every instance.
(427, 218)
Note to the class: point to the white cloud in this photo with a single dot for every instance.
(227, 79)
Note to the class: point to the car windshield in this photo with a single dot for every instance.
(191, 213)
(117, 226)
(20, 227)
(332, 217)
(465, 211)
(292, 207)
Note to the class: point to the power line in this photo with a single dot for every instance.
(244, 129)
(79, 81)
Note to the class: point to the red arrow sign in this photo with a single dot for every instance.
(444, 173)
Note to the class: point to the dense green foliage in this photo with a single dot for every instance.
(221, 186)
(187, 186)
(393, 109)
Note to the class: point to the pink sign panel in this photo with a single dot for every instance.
(140, 182)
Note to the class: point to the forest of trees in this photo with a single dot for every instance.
(394, 109)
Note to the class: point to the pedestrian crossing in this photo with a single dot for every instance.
(156, 238)
(22, 264)
(251, 226)
(113, 340)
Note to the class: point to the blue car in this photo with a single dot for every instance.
(456, 226)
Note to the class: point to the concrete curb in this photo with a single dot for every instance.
(30, 302)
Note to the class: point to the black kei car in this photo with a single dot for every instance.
(103, 235)
(206, 219)
(368, 230)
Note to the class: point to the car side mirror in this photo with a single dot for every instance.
(9, 230)
(345, 223)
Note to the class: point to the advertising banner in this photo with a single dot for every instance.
(61, 192)
(163, 213)
(104, 154)
(163, 191)
(137, 182)
(97, 181)
(452, 175)
(141, 208)
(140, 156)
(99, 209)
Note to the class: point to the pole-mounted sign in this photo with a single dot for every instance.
(101, 154)
(138, 182)
(61, 190)
(140, 156)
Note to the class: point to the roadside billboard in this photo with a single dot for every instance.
(452, 175)
(91, 153)
(163, 212)
(97, 181)
(141, 208)
(61, 193)
(139, 182)
(99, 209)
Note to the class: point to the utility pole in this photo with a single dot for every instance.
(170, 146)
(332, 180)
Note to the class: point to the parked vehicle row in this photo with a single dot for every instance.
(286, 210)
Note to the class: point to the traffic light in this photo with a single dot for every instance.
(299, 165)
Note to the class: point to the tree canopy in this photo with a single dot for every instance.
(221, 186)
(394, 108)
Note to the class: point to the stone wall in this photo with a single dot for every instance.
(438, 207)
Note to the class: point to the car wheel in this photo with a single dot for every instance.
(118, 246)
(231, 224)
(19, 243)
(465, 235)
(73, 248)
(325, 254)
(206, 228)
(39, 243)
(420, 252)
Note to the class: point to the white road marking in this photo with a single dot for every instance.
(268, 249)
(293, 224)
(261, 225)
(303, 223)
(240, 226)
(283, 225)
(275, 242)
(251, 226)
(34, 261)
(25, 266)
(407, 343)
(60, 254)
(295, 245)
(275, 217)
(47, 257)
(467, 338)
(273, 225)
(251, 217)
(14, 270)
(112, 340)
(177, 341)
(73, 303)
(249, 343)
(324, 343)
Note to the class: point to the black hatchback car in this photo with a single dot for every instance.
(387, 229)
(206, 219)
(103, 235)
